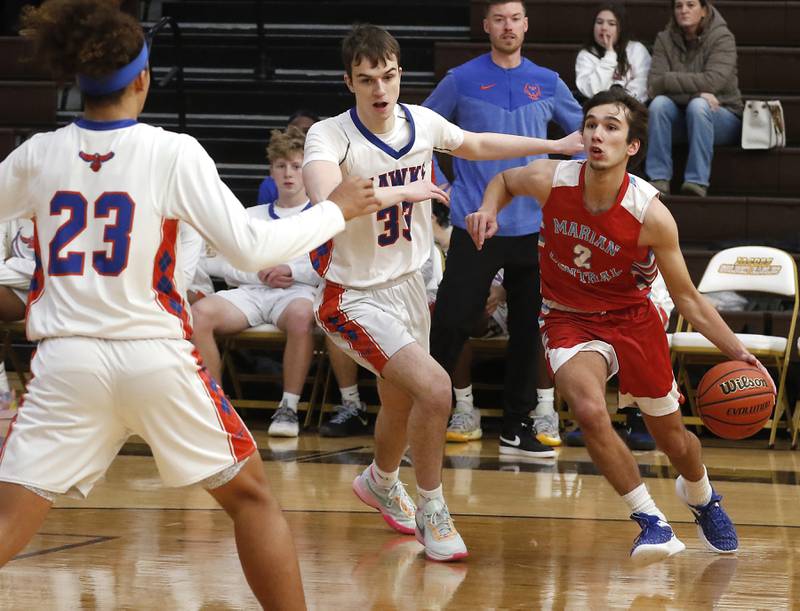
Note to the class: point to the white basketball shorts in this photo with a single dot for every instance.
(263, 305)
(372, 324)
(87, 396)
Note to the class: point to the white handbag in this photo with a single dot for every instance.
(762, 125)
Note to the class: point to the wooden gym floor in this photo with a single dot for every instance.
(547, 534)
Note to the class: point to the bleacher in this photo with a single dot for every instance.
(249, 64)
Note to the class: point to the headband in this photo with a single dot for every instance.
(117, 79)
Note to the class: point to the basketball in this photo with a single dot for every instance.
(735, 399)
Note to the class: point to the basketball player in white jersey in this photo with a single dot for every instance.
(373, 304)
(106, 194)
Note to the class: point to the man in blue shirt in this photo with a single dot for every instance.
(501, 92)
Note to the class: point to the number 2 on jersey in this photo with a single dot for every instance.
(582, 256)
(117, 234)
(391, 218)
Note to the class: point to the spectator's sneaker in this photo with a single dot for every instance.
(661, 185)
(284, 422)
(465, 425)
(436, 531)
(396, 507)
(546, 428)
(521, 441)
(656, 541)
(692, 188)
(350, 419)
(638, 437)
(714, 527)
(574, 439)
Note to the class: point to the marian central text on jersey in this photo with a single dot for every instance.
(585, 233)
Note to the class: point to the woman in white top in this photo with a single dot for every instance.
(611, 59)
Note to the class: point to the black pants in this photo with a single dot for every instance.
(462, 298)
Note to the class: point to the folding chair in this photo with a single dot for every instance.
(796, 419)
(753, 269)
(270, 337)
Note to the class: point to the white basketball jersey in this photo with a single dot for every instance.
(106, 199)
(381, 247)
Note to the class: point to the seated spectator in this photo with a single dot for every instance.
(17, 262)
(695, 89)
(301, 119)
(281, 295)
(611, 59)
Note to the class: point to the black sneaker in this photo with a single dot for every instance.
(521, 440)
(638, 437)
(350, 419)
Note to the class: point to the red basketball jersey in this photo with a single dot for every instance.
(592, 262)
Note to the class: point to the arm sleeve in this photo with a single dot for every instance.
(593, 75)
(325, 141)
(198, 196)
(16, 173)
(444, 98)
(267, 191)
(566, 112)
(719, 67)
(639, 61)
(445, 135)
(303, 272)
(192, 246)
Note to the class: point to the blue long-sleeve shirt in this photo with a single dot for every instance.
(480, 96)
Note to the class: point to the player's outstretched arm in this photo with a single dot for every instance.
(533, 180)
(321, 177)
(199, 197)
(660, 232)
(488, 145)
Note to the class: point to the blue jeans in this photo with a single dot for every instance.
(698, 125)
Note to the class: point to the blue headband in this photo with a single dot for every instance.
(117, 79)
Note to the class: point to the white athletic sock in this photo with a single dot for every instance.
(350, 394)
(384, 479)
(545, 397)
(696, 493)
(290, 400)
(464, 396)
(428, 495)
(640, 501)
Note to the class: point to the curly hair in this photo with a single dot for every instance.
(91, 37)
(285, 144)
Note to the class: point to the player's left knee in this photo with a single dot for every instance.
(300, 321)
(674, 443)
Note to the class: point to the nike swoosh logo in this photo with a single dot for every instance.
(516, 441)
(485, 87)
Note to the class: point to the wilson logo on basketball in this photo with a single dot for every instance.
(741, 383)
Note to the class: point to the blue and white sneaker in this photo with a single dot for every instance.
(714, 527)
(656, 541)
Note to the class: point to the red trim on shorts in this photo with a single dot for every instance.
(37, 280)
(334, 320)
(164, 277)
(240, 441)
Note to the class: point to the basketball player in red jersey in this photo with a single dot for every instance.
(604, 233)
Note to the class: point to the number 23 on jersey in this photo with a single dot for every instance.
(77, 210)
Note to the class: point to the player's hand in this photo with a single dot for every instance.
(570, 145)
(481, 226)
(497, 295)
(355, 196)
(279, 277)
(749, 358)
(421, 190)
(264, 273)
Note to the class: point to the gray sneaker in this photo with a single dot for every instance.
(546, 428)
(465, 425)
(284, 422)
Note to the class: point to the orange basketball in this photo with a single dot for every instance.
(735, 399)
